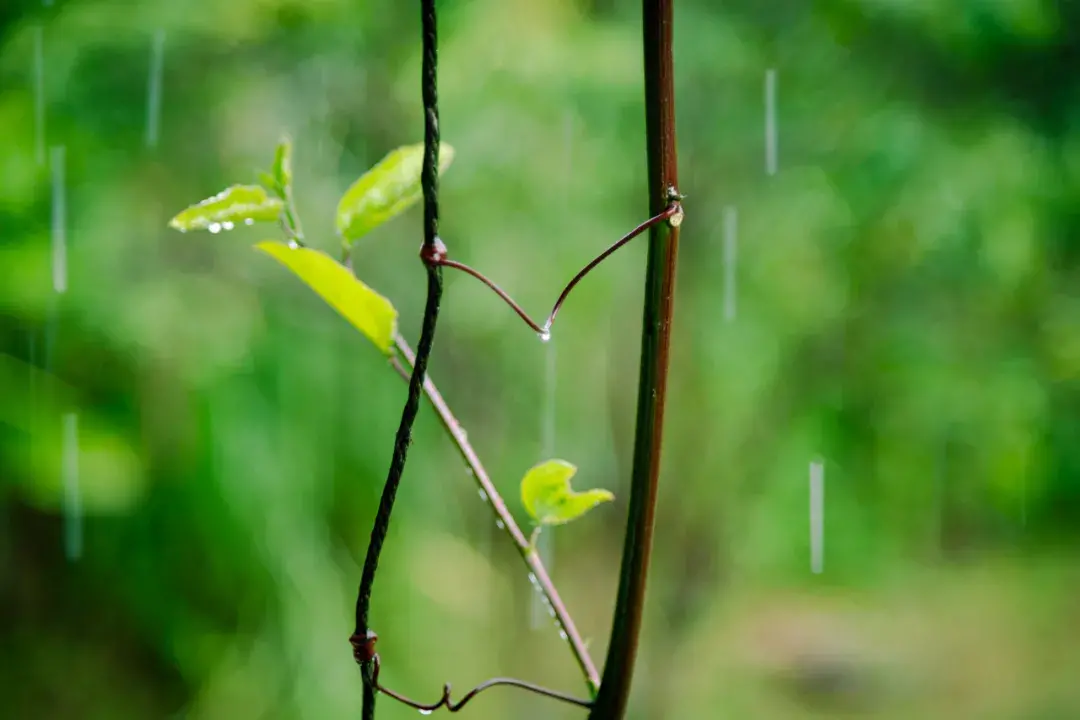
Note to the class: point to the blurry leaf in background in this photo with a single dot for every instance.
(111, 476)
(548, 497)
(368, 311)
(386, 190)
(245, 204)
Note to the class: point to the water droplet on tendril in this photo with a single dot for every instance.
(483, 495)
(214, 228)
(249, 221)
(227, 225)
(499, 524)
(425, 712)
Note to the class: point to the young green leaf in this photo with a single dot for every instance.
(385, 190)
(282, 171)
(245, 204)
(368, 311)
(548, 497)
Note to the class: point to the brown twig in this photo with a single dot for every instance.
(672, 213)
(364, 653)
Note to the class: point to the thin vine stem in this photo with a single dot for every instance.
(450, 705)
(672, 213)
(503, 517)
(430, 252)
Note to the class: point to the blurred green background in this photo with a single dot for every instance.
(907, 311)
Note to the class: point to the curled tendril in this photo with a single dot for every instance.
(673, 214)
(365, 655)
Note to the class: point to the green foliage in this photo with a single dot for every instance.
(368, 311)
(549, 499)
(386, 190)
(282, 170)
(238, 204)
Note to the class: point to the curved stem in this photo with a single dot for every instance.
(652, 382)
(504, 518)
(672, 213)
(454, 707)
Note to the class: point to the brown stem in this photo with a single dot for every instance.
(652, 382)
(366, 651)
(672, 213)
(504, 518)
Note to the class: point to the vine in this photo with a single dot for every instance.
(392, 186)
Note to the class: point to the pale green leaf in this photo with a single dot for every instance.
(548, 497)
(385, 190)
(269, 181)
(282, 171)
(368, 311)
(239, 204)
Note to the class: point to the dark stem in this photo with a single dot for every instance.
(432, 248)
(449, 704)
(652, 382)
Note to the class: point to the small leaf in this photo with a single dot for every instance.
(385, 190)
(367, 310)
(283, 165)
(269, 181)
(234, 205)
(548, 497)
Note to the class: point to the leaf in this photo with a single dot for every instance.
(245, 204)
(386, 190)
(367, 310)
(548, 497)
(282, 171)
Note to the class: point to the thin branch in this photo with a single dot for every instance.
(364, 651)
(505, 519)
(293, 218)
(430, 252)
(671, 213)
(655, 342)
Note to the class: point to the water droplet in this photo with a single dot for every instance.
(293, 244)
(227, 225)
(425, 712)
(214, 228)
(562, 634)
(483, 495)
(249, 221)
(551, 610)
(533, 581)
(499, 524)
(544, 335)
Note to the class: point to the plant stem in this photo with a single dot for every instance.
(432, 247)
(503, 515)
(652, 382)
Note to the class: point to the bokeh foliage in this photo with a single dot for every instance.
(907, 310)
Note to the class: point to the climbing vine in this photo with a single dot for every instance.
(399, 181)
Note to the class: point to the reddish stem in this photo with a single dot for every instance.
(672, 213)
